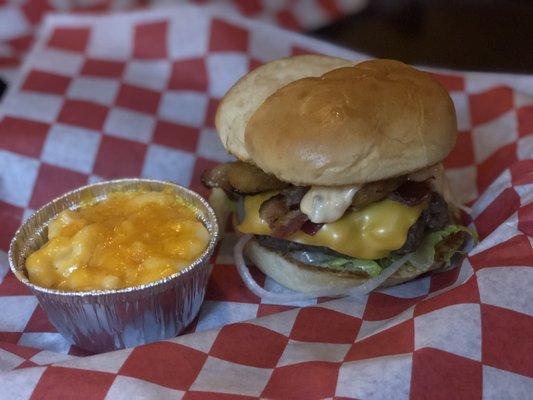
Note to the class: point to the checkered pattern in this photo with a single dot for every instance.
(19, 19)
(134, 95)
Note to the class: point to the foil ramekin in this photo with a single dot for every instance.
(104, 320)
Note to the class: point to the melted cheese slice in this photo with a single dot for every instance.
(370, 233)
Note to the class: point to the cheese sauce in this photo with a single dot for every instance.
(125, 240)
(327, 204)
(369, 233)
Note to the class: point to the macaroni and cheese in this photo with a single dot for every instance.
(128, 239)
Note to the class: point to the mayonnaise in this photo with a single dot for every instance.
(327, 204)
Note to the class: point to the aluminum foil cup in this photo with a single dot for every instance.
(104, 320)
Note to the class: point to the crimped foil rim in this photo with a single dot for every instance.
(211, 220)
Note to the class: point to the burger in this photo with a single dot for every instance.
(338, 175)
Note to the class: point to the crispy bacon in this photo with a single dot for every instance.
(311, 228)
(273, 209)
(282, 211)
(288, 224)
(280, 204)
(412, 193)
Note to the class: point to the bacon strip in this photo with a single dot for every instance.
(288, 223)
(412, 193)
(273, 209)
(282, 212)
(311, 228)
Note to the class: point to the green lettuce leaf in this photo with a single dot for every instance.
(372, 268)
(319, 259)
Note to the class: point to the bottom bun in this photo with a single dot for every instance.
(307, 278)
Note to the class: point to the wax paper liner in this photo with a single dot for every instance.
(135, 95)
(20, 19)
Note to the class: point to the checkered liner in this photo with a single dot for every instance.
(134, 95)
(19, 19)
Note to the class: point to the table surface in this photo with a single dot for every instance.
(474, 35)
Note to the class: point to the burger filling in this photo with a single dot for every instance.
(348, 230)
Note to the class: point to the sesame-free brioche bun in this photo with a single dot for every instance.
(243, 99)
(307, 278)
(316, 120)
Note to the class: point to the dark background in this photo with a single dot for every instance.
(480, 35)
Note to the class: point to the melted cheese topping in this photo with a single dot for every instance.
(327, 204)
(126, 240)
(369, 233)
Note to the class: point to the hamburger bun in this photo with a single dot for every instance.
(307, 278)
(316, 120)
(243, 99)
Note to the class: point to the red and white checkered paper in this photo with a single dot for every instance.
(134, 95)
(19, 19)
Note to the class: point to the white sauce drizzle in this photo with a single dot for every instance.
(324, 204)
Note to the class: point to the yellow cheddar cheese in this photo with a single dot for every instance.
(369, 233)
(125, 240)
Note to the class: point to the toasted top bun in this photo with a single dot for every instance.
(243, 99)
(351, 125)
